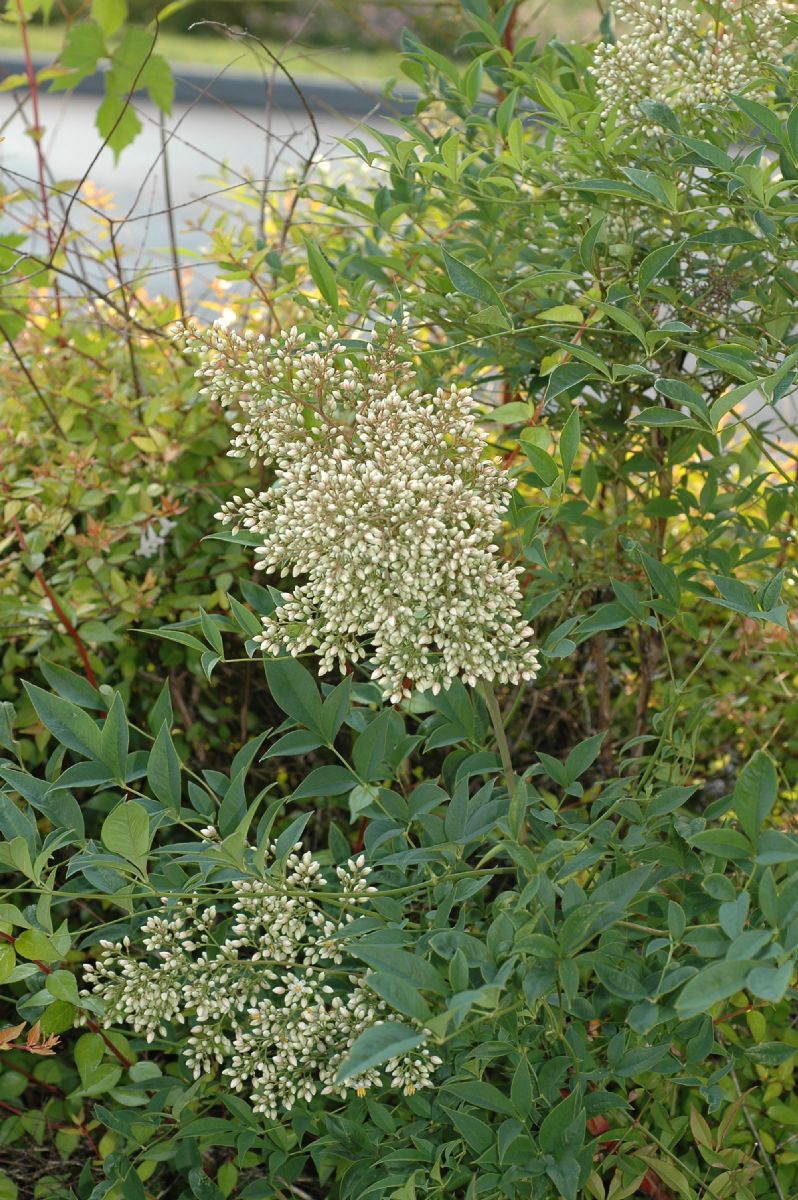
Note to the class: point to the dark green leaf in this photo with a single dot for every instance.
(375, 1046)
(467, 281)
(69, 724)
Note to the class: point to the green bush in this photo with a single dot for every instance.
(112, 474)
(424, 936)
(646, 277)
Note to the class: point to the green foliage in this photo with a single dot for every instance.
(562, 262)
(597, 939)
(109, 495)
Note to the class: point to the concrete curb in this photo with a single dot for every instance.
(194, 84)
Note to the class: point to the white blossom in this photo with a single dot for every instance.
(264, 1000)
(383, 506)
(687, 55)
(152, 541)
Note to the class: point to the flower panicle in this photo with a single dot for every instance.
(688, 55)
(385, 510)
(260, 992)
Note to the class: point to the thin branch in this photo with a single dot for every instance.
(764, 1157)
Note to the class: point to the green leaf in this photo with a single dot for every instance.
(760, 115)
(655, 263)
(569, 442)
(670, 800)
(83, 48)
(335, 708)
(562, 314)
(542, 463)
(16, 853)
(755, 794)
(210, 631)
(587, 245)
(110, 15)
(202, 1186)
(681, 393)
(469, 283)
(114, 739)
(326, 781)
(89, 1051)
(724, 843)
(290, 836)
(771, 1054)
(375, 1046)
(567, 376)
(33, 944)
(399, 994)
(233, 808)
(481, 1094)
(663, 579)
(71, 686)
(117, 123)
(294, 689)
(521, 1091)
(475, 1132)
(126, 831)
(246, 619)
(659, 112)
(134, 66)
(69, 724)
(322, 273)
(582, 755)
(372, 746)
(663, 190)
(163, 770)
(415, 970)
(514, 413)
(7, 718)
(63, 985)
(621, 317)
(712, 983)
(661, 418)
(792, 131)
(299, 741)
(159, 81)
(8, 961)
(161, 710)
(770, 983)
(709, 153)
(178, 635)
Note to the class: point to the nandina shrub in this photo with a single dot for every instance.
(548, 887)
(636, 263)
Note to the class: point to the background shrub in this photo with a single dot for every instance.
(597, 938)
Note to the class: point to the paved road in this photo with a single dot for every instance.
(211, 150)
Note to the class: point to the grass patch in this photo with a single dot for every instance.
(568, 19)
(217, 53)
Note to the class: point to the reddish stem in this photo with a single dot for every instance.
(37, 132)
(57, 609)
(7, 937)
(92, 1024)
(117, 1053)
(508, 37)
(361, 837)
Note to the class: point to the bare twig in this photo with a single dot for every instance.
(764, 1157)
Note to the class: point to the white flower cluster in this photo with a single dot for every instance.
(384, 505)
(687, 54)
(261, 992)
